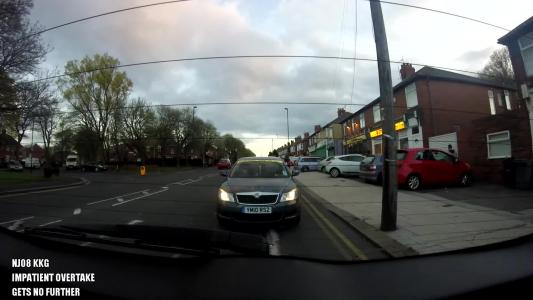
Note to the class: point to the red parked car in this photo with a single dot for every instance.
(424, 166)
(224, 164)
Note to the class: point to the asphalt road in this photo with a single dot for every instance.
(184, 199)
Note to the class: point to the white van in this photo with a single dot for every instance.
(72, 162)
(32, 163)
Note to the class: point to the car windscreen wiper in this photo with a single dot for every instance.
(181, 240)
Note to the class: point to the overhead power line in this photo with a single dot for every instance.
(441, 12)
(232, 57)
(101, 15)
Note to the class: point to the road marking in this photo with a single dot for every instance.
(274, 248)
(85, 182)
(113, 198)
(85, 244)
(140, 197)
(133, 222)
(342, 250)
(49, 223)
(17, 220)
(175, 255)
(336, 231)
(77, 211)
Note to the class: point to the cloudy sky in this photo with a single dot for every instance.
(201, 28)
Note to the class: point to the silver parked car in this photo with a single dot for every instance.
(309, 163)
(324, 163)
(344, 165)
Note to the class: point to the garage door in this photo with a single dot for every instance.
(442, 141)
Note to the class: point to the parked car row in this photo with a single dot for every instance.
(416, 167)
(420, 166)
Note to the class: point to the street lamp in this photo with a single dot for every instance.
(193, 110)
(288, 139)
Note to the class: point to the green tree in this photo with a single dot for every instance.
(95, 90)
(499, 66)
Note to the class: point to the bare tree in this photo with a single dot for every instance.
(21, 49)
(47, 118)
(29, 97)
(138, 118)
(499, 66)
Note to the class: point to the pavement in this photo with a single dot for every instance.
(184, 198)
(434, 220)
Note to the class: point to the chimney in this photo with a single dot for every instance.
(406, 70)
(317, 128)
(298, 139)
(340, 111)
(306, 135)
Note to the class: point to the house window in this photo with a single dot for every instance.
(499, 144)
(491, 103)
(526, 48)
(507, 100)
(410, 95)
(499, 98)
(362, 120)
(377, 113)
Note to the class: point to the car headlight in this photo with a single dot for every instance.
(289, 196)
(225, 196)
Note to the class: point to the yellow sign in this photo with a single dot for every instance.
(378, 132)
(399, 125)
(355, 139)
(142, 171)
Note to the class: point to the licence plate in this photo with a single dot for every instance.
(257, 210)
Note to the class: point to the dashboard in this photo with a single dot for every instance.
(504, 269)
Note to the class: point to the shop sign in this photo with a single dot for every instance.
(378, 132)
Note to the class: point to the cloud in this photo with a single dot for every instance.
(217, 28)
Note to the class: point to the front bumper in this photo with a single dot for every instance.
(280, 212)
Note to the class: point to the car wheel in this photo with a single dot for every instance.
(413, 182)
(305, 169)
(379, 179)
(465, 180)
(334, 172)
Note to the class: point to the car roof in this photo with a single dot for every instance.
(253, 158)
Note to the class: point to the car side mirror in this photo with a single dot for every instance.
(295, 172)
(224, 173)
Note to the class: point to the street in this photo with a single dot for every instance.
(181, 199)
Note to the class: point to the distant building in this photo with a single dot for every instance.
(8, 147)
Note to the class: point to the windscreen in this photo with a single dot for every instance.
(270, 118)
(259, 169)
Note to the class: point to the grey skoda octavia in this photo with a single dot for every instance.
(258, 190)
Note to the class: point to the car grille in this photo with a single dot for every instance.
(262, 199)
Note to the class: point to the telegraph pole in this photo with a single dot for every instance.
(390, 185)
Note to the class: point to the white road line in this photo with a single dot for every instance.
(113, 198)
(140, 197)
(17, 220)
(85, 244)
(85, 182)
(49, 223)
(133, 222)
(273, 241)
